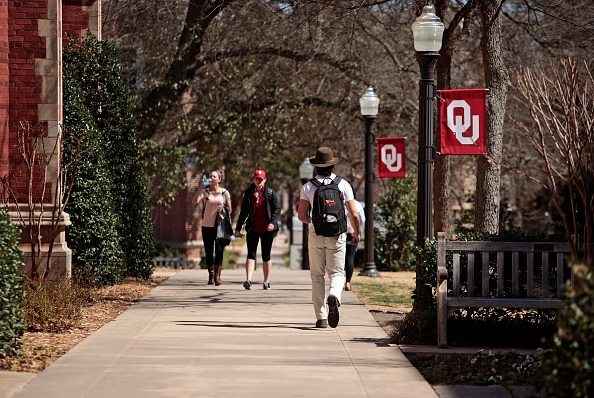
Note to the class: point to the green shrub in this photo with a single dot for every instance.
(93, 236)
(568, 370)
(95, 68)
(116, 122)
(425, 296)
(11, 291)
(395, 226)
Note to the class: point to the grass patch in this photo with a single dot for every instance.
(393, 290)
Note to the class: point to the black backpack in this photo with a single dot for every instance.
(328, 214)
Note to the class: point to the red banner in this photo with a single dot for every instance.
(463, 119)
(391, 155)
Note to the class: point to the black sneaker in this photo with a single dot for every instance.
(266, 285)
(333, 316)
(322, 323)
(247, 285)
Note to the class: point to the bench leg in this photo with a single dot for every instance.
(442, 320)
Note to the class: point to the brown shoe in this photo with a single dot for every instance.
(322, 323)
(347, 286)
(210, 274)
(217, 274)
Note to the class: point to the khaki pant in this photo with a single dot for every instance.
(326, 256)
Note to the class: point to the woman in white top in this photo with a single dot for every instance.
(214, 197)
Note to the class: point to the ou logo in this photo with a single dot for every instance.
(460, 124)
(391, 158)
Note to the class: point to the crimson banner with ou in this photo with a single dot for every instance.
(463, 122)
(391, 154)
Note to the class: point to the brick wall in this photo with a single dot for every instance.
(25, 46)
(180, 225)
(74, 20)
(4, 88)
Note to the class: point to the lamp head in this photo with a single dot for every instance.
(306, 170)
(428, 30)
(369, 102)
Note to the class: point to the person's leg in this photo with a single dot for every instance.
(335, 259)
(335, 255)
(250, 262)
(266, 238)
(349, 264)
(208, 237)
(218, 253)
(317, 272)
(249, 269)
(218, 261)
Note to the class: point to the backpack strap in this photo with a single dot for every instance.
(317, 182)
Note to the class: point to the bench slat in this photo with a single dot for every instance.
(456, 274)
(560, 274)
(470, 285)
(515, 274)
(500, 275)
(530, 274)
(478, 246)
(545, 275)
(461, 302)
(485, 275)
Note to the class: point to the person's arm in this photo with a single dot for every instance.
(354, 218)
(274, 212)
(198, 196)
(243, 213)
(303, 212)
(229, 203)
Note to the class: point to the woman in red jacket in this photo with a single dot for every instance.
(260, 210)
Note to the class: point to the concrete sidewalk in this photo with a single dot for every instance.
(189, 339)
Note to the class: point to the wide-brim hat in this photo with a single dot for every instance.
(324, 157)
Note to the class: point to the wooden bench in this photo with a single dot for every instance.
(527, 275)
(170, 262)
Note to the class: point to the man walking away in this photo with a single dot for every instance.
(327, 194)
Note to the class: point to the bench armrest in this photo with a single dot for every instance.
(442, 275)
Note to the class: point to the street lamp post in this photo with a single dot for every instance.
(369, 103)
(427, 32)
(306, 173)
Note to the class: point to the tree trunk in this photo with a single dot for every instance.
(442, 214)
(497, 80)
(442, 198)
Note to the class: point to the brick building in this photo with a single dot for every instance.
(179, 227)
(32, 33)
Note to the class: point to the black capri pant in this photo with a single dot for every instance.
(213, 251)
(252, 244)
